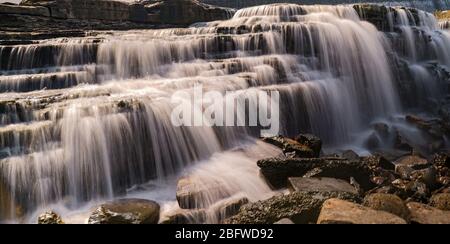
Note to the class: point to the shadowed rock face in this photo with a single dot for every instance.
(174, 12)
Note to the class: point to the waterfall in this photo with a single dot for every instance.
(87, 119)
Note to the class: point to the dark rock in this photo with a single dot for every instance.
(388, 203)
(424, 214)
(50, 218)
(300, 207)
(310, 141)
(184, 216)
(441, 201)
(194, 194)
(402, 143)
(441, 160)
(374, 162)
(427, 176)
(320, 185)
(126, 211)
(350, 155)
(382, 129)
(290, 146)
(373, 141)
(337, 211)
(276, 170)
(24, 10)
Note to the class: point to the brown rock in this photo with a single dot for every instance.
(388, 203)
(424, 214)
(320, 185)
(194, 194)
(126, 211)
(441, 201)
(336, 211)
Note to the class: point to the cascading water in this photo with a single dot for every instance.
(85, 119)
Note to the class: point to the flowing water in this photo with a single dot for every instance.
(87, 119)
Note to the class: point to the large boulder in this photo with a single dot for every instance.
(126, 211)
(50, 218)
(424, 214)
(300, 207)
(337, 211)
(278, 170)
(389, 203)
(320, 185)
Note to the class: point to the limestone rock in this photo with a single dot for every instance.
(50, 218)
(336, 211)
(424, 214)
(388, 203)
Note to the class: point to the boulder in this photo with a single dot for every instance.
(50, 218)
(388, 203)
(284, 221)
(277, 170)
(290, 146)
(414, 162)
(310, 141)
(300, 207)
(126, 211)
(441, 160)
(320, 185)
(424, 214)
(337, 211)
(441, 201)
(192, 193)
(186, 216)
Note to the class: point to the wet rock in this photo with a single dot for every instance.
(284, 221)
(50, 218)
(277, 170)
(391, 154)
(350, 155)
(194, 194)
(300, 207)
(310, 141)
(388, 203)
(290, 146)
(320, 185)
(184, 216)
(374, 162)
(382, 129)
(441, 201)
(402, 143)
(337, 211)
(126, 211)
(231, 207)
(427, 176)
(424, 214)
(414, 162)
(373, 141)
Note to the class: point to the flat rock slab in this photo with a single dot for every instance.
(320, 185)
(424, 214)
(336, 211)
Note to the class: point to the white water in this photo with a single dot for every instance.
(95, 135)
